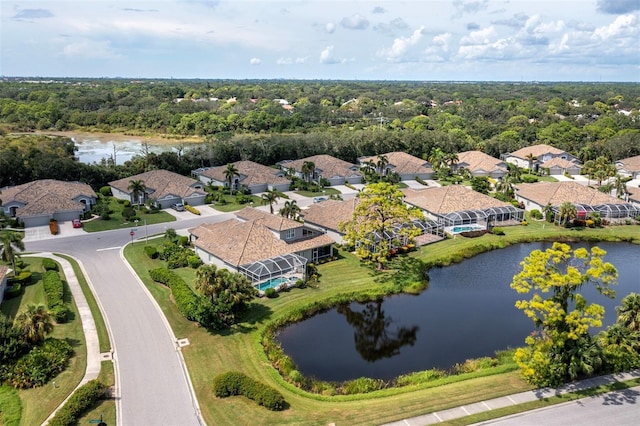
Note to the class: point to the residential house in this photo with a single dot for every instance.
(405, 165)
(253, 176)
(633, 195)
(261, 245)
(457, 205)
(481, 164)
(163, 187)
(336, 171)
(36, 203)
(560, 166)
(539, 195)
(536, 156)
(4, 273)
(629, 166)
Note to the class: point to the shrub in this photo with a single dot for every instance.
(49, 264)
(185, 299)
(419, 377)
(126, 203)
(271, 293)
(128, 213)
(362, 385)
(83, 399)
(192, 209)
(23, 277)
(13, 291)
(536, 214)
(54, 295)
(524, 223)
(183, 241)
(194, 261)
(105, 191)
(498, 231)
(235, 383)
(151, 252)
(41, 364)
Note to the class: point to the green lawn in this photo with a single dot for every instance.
(230, 203)
(239, 349)
(326, 192)
(116, 220)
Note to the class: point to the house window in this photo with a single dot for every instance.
(306, 232)
(289, 234)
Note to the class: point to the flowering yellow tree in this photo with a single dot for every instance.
(562, 348)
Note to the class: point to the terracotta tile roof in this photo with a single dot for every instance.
(634, 193)
(477, 160)
(47, 196)
(560, 162)
(271, 221)
(239, 243)
(536, 150)
(160, 183)
(402, 163)
(330, 213)
(251, 174)
(556, 193)
(449, 199)
(327, 165)
(631, 164)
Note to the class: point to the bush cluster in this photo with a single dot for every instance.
(54, 295)
(536, 214)
(49, 264)
(151, 252)
(235, 383)
(176, 255)
(14, 291)
(81, 401)
(192, 209)
(497, 231)
(40, 365)
(23, 278)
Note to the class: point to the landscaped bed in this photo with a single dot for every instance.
(240, 349)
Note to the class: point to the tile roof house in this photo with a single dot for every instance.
(328, 215)
(255, 238)
(35, 203)
(630, 166)
(539, 195)
(4, 273)
(256, 177)
(560, 166)
(163, 187)
(336, 171)
(481, 164)
(634, 195)
(455, 205)
(405, 165)
(542, 154)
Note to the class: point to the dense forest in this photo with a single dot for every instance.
(270, 121)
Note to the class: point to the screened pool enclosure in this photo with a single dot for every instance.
(262, 270)
(493, 214)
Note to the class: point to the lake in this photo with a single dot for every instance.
(467, 312)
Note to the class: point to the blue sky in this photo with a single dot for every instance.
(471, 40)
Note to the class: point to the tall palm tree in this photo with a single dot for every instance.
(505, 186)
(381, 165)
(436, 158)
(34, 323)
(620, 186)
(629, 312)
(11, 240)
(567, 212)
(290, 210)
(308, 168)
(514, 172)
(270, 197)
(137, 188)
(530, 158)
(451, 159)
(229, 173)
(547, 212)
(205, 281)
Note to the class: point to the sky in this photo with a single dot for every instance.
(422, 40)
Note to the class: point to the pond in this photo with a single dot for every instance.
(467, 312)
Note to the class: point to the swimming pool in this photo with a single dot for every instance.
(272, 283)
(464, 228)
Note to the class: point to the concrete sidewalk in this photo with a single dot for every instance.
(516, 399)
(94, 358)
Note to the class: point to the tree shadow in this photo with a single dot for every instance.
(404, 271)
(256, 314)
(621, 397)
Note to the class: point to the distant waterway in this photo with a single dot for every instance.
(467, 312)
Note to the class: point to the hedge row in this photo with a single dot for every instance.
(54, 295)
(40, 365)
(23, 278)
(82, 400)
(235, 383)
(49, 264)
(186, 300)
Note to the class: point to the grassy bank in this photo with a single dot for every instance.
(239, 349)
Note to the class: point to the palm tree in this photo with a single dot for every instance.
(451, 159)
(381, 165)
(229, 173)
(505, 186)
(137, 188)
(629, 312)
(34, 323)
(547, 212)
(290, 210)
(531, 158)
(514, 172)
(270, 197)
(205, 281)
(436, 158)
(11, 240)
(567, 212)
(308, 169)
(620, 186)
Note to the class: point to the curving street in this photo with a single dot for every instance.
(152, 383)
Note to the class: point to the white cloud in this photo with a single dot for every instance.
(398, 51)
(90, 49)
(482, 36)
(326, 56)
(618, 6)
(355, 22)
(330, 27)
(623, 25)
(469, 6)
(255, 61)
(290, 61)
(439, 49)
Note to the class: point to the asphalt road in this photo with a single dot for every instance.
(618, 408)
(152, 386)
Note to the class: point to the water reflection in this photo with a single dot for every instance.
(373, 336)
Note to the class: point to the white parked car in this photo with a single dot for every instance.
(179, 207)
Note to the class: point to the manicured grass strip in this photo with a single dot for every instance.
(105, 408)
(10, 406)
(117, 221)
(541, 403)
(101, 328)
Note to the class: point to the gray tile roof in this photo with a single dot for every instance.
(160, 183)
(449, 199)
(251, 174)
(327, 165)
(47, 196)
(631, 164)
(556, 193)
